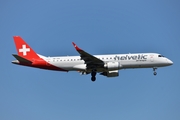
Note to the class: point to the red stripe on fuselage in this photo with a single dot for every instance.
(42, 64)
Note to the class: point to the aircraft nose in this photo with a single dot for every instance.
(169, 62)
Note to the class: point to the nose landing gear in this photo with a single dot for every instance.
(154, 69)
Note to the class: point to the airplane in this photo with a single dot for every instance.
(106, 65)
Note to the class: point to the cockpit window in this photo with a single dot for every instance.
(160, 56)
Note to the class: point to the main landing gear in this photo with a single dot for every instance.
(154, 69)
(93, 75)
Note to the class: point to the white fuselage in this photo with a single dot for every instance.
(138, 60)
(85, 63)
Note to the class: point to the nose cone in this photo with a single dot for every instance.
(169, 62)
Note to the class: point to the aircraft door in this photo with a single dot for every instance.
(48, 61)
(151, 58)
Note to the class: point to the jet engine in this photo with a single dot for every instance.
(113, 73)
(112, 65)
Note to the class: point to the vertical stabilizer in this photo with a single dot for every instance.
(23, 49)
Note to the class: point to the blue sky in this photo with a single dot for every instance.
(99, 27)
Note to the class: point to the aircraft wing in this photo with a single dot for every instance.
(89, 59)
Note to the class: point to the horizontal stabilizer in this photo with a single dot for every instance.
(21, 59)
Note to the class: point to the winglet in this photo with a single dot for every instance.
(76, 47)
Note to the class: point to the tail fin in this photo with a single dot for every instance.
(23, 49)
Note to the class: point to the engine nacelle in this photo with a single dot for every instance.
(112, 66)
(113, 73)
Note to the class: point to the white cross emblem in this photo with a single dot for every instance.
(24, 50)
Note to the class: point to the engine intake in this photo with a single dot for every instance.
(113, 66)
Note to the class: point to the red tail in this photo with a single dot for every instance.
(23, 49)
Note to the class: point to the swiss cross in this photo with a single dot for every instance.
(24, 50)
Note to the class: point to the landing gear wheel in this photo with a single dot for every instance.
(155, 73)
(154, 69)
(93, 78)
(93, 75)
